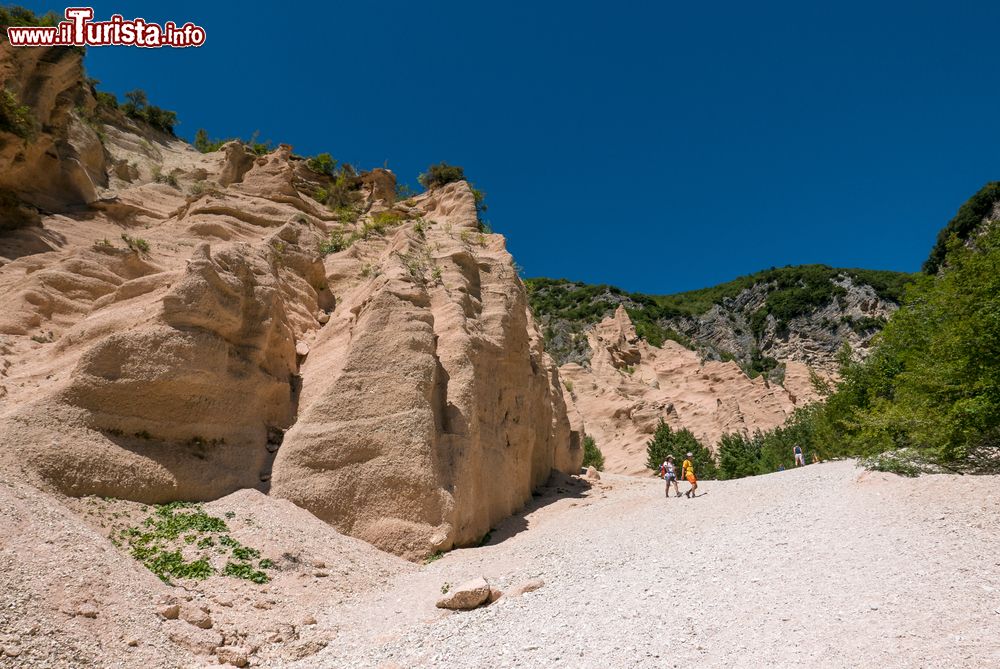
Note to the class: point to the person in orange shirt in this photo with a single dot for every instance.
(687, 472)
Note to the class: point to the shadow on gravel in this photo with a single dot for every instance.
(559, 486)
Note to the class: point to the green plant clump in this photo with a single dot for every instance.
(15, 118)
(137, 244)
(245, 571)
(592, 455)
(440, 175)
(678, 443)
(177, 529)
(138, 107)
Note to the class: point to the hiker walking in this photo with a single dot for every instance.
(687, 472)
(800, 460)
(669, 475)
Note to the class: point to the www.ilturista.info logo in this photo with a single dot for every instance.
(79, 30)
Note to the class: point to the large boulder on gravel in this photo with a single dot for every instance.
(469, 595)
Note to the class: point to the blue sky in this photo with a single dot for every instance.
(656, 146)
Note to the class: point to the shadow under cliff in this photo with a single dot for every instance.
(559, 487)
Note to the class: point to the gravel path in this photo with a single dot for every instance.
(822, 566)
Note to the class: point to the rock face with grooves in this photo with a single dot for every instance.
(429, 410)
(184, 338)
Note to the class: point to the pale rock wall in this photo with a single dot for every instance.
(419, 405)
(429, 410)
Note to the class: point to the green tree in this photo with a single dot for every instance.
(592, 455)
(666, 442)
(739, 455)
(969, 217)
(201, 141)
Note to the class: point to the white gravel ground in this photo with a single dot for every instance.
(824, 566)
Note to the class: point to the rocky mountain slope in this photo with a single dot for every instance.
(195, 324)
(630, 385)
(803, 314)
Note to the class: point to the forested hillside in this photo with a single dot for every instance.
(928, 395)
(801, 313)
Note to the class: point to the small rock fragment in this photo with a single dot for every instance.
(523, 587)
(593, 474)
(234, 655)
(468, 595)
(170, 611)
(196, 616)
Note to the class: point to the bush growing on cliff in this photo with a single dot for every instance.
(15, 118)
(440, 175)
(204, 144)
(666, 442)
(322, 163)
(592, 455)
(106, 100)
(138, 107)
(19, 16)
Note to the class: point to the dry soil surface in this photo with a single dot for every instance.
(825, 566)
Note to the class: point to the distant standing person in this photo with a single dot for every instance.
(800, 459)
(687, 471)
(670, 475)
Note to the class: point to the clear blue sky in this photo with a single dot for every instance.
(659, 147)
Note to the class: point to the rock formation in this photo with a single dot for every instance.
(629, 385)
(187, 327)
(62, 162)
(429, 410)
(738, 324)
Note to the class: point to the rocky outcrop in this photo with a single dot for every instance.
(800, 314)
(814, 339)
(184, 337)
(429, 410)
(629, 386)
(62, 162)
